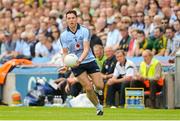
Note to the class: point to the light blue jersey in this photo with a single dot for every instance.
(74, 42)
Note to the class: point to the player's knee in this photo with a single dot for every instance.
(89, 88)
(100, 86)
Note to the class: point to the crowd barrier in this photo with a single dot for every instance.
(24, 79)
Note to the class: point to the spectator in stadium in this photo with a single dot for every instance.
(164, 23)
(107, 73)
(56, 41)
(178, 14)
(94, 38)
(139, 24)
(78, 43)
(113, 35)
(99, 55)
(124, 42)
(176, 26)
(110, 13)
(130, 10)
(8, 47)
(22, 47)
(123, 74)
(100, 26)
(139, 7)
(132, 44)
(150, 73)
(43, 25)
(154, 6)
(147, 23)
(126, 20)
(7, 4)
(9, 43)
(160, 42)
(124, 10)
(167, 12)
(156, 22)
(169, 32)
(32, 41)
(44, 47)
(1, 41)
(142, 43)
(133, 18)
(49, 45)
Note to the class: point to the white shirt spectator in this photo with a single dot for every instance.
(170, 45)
(23, 48)
(129, 69)
(172, 19)
(176, 41)
(57, 46)
(41, 50)
(113, 38)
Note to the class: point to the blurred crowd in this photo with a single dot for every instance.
(31, 28)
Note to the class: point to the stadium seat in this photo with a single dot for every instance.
(159, 95)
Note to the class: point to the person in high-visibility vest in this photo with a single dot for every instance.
(150, 73)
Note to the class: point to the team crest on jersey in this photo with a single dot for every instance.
(77, 46)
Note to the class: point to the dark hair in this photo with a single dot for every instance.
(140, 32)
(120, 51)
(71, 12)
(169, 27)
(155, 2)
(177, 20)
(160, 29)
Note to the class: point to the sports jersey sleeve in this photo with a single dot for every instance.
(63, 41)
(87, 34)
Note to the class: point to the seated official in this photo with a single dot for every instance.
(107, 73)
(123, 74)
(150, 75)
(99, 55)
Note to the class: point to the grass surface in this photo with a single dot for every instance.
(55, 113)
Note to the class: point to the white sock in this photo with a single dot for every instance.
(99, 107)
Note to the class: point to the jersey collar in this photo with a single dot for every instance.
(78, 27)
(124, 63)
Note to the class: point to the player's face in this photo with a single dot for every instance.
(71, 20)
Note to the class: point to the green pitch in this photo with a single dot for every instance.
(55, 113)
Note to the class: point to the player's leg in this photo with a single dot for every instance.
(82, 75)
(94, 72)
(97, 80)
(98, 85)
(85, 82)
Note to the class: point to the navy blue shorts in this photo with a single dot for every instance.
(90, 68)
